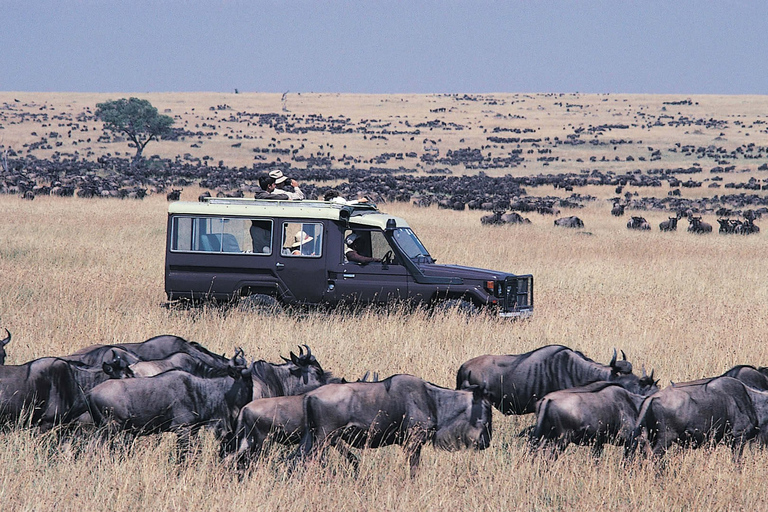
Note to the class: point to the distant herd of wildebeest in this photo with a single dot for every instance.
(169, 384)
(504, 196)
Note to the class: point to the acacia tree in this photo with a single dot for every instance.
(137, 119)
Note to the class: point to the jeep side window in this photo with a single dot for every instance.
(216, 235)
(371, 244)
(302, 239)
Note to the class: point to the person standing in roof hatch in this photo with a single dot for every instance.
(281, 181)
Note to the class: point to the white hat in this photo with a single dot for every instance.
(277, 175)
(301, 238)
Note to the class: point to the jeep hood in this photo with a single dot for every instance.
(472, 273)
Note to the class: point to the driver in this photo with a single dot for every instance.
(353, 251)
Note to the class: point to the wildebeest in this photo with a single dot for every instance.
(569, 222)
(401, 409)
(618, 209)
(157, 347)
(279, 418)
(3, 343)
(182, 402)
(669, 225)
(696, 225)
(50, 389)
(516, 382)
(638, 223)
(184, 362)
(598, 413)
(174, 401)
(695, 413)
(174, 194)
(753, 377)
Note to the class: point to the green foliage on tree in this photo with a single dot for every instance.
(137, 119)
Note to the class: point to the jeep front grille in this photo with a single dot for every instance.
(519, 293)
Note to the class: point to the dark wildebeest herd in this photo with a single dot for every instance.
(169, 384)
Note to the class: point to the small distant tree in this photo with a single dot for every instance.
(137, 119)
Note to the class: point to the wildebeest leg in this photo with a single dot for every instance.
(353, 459)
(415, 441)
(597, 448)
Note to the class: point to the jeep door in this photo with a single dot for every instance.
(300, 261)
(374, 282)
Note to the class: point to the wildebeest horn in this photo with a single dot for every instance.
(309, 352)
(623, 356)
(301, 350)
(653, 370)
(643, 370)
(285, 359)
(294, 359)
(613, 359)
(7, 339)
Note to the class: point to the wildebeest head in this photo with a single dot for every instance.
(469, 424)
(3, 343)
(298, 375)
(647, 385)
(118, 367)
(622, 367)
(238, 366)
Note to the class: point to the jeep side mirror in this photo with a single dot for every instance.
(391, 225)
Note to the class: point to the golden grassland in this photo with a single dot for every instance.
(76, 272)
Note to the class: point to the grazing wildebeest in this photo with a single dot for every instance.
(696, 413)
(618, 209)
(727, 226)
(669, 225)
(638, 223)
(595, 414)
(696, 225)
(3, 343)
(174, 195)
(401, 409)
(515, 382)
(570, 222)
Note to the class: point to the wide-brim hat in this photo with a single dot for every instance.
(278, 176)
(300, 239)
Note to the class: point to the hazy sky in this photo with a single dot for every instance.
(669, 46)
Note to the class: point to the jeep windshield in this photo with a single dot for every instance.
(411, 246)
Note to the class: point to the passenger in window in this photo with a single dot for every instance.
(353, 251)
(301, 245)
(261, 236)
(281, 181)
(268, 189)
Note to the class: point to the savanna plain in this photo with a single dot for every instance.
(75, 272)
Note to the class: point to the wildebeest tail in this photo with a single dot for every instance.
(307, 439)
(539, 431)
(645, 418)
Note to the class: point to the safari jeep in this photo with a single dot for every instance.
(294, 253)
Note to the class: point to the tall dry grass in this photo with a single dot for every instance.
(76, 272)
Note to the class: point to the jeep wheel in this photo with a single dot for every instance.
(461, 306)
(260, 303)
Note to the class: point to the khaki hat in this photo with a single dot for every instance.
(300, 239)
(278, 176)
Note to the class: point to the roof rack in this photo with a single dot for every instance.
(292, 203)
